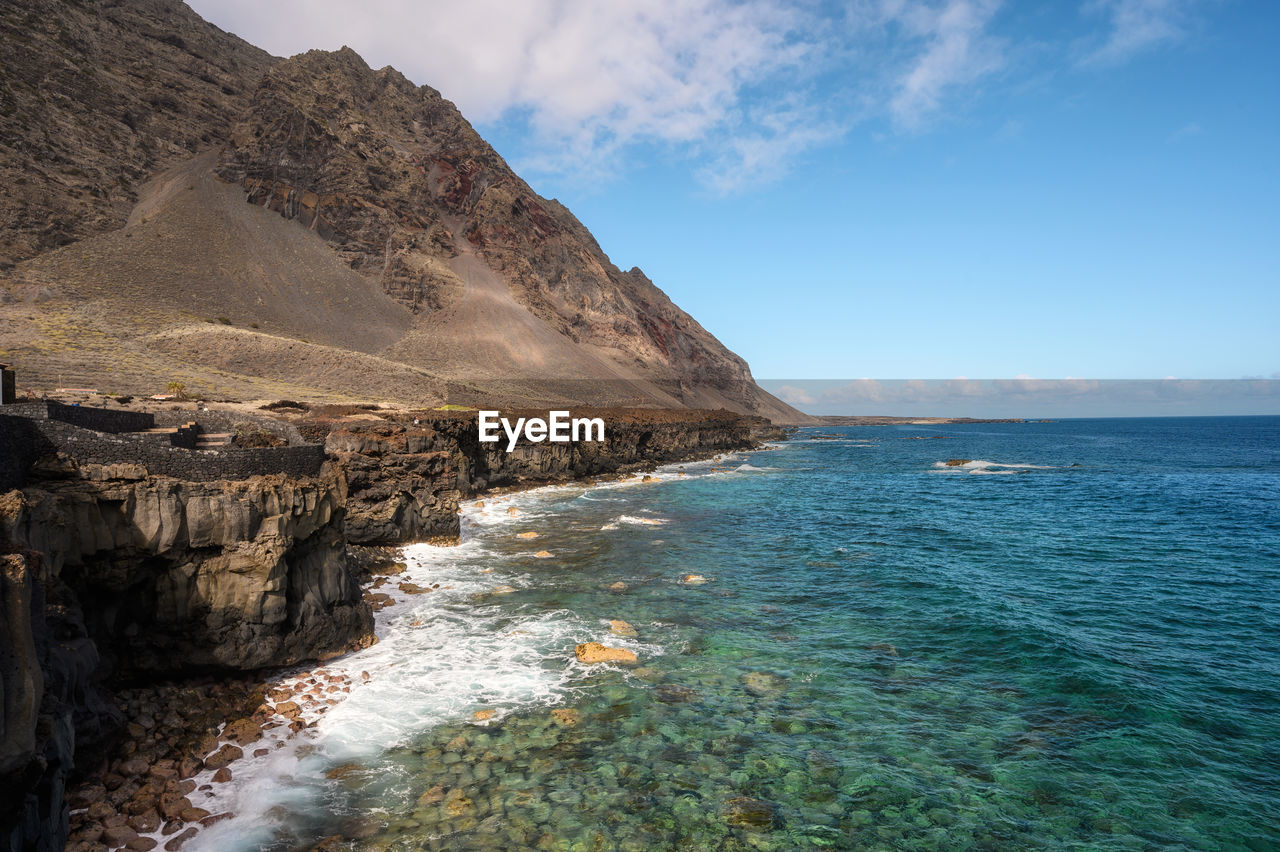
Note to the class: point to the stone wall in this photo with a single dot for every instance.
(108, 420)
(155, 454)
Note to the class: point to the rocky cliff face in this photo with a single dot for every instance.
(186, 576)
(405, 476)
(105, 570)
(95, 97)
(52, 712)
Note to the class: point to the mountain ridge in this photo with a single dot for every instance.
(401, 214)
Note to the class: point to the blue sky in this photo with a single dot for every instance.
(887, 189)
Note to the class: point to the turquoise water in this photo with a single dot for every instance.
(1071, 642)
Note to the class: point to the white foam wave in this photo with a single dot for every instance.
(984, 467)
(441, 656)
(634, 521)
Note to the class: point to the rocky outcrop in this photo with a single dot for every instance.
(186, 576)
(593, 653)
(406, 474)
(404, 480)
(115, 572)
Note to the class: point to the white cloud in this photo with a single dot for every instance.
(740, 89)
(760, 149)
(957, 51)
(1135, 26)
(591, 78)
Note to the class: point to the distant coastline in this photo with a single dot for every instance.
(876, 420)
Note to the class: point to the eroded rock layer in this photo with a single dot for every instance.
(191, 575)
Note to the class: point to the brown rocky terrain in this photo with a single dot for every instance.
(183, 207)
(197, 575)
(96, 97)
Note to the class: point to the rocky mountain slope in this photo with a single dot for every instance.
(95, 97)
(182, 206)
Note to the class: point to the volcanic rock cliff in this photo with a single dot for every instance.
(107, 571)
(406, 475)
(186, 576)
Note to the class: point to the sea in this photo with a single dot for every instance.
(1057, 635)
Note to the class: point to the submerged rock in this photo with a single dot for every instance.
(674, 694)
(432, 796)
(527, 534)
(763, 683)
(566, 717)
(692, 580)
(619, 627)
(456, 803)
(754, 814)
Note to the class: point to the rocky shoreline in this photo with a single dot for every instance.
(324, 546)
(183, 739)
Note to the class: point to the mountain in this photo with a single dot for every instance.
(180, 206)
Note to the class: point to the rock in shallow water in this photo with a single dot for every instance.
(763, 683)
(592, 653)
(754, 814)
(674, 694)
(618, 627)
(223, 756)
(566, 717)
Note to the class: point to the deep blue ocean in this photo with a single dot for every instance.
(1070, 640)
